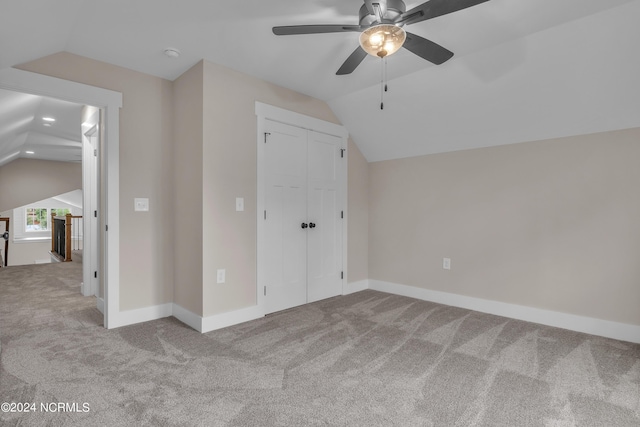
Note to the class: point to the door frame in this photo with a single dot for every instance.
(90, 204)
(269, 112)
(110, 103)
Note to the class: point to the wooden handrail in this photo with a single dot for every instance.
(67, 235)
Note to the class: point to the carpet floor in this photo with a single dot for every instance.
(366, 359)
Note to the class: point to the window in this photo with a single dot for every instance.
(37, 219)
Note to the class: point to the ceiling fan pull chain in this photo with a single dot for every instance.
(385, 73)
(382, 83)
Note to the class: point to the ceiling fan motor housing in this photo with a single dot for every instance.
(395, 8)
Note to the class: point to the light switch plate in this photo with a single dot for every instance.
(446, 263)
(141, 205)
(221, 273)
(239, 204)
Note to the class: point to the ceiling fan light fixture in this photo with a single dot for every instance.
(382, 40)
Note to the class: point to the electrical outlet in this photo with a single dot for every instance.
(221, 276)
(446, 263)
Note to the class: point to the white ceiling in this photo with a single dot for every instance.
(22, 129)
(522, 70)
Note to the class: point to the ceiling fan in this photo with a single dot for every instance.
(381, 27)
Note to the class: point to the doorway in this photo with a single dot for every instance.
(110, 102)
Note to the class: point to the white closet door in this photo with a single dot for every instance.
(324, 238)
(286, 207)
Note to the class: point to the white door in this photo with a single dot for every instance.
(303, 234)
(324, 249)
(90, 193)
(286, 211)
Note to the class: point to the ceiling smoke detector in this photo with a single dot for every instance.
(171, 52)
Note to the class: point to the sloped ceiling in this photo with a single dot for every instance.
(522, 70)
(24, 133)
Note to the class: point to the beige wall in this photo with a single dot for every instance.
(358, 215)
(25, 181)
(229, 171)
(187, 206)
(146, 148)
(549, 224)
(192, 160)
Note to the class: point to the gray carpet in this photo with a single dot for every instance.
(367, 359)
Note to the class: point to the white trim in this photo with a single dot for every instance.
(146, 314)
(588, 325)
(218, 321)
(187, 317)
(345, 217)
(223, 320)
(299, 120)
(38, 84)
(353, 287)
(100, 304)
(269, 112)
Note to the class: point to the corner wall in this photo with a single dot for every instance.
(146, 149)
(187, 203)
(358, 216)
(549, 224)
(229, 171)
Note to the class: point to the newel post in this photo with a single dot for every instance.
(67, 237)
(52, 224)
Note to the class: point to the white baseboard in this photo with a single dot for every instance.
(200, 324)
(100, 304)
(604, 328)
(140, 315)
(187, 317)
(353, 287)
(223, 320)
(218, 321)
(589, 325)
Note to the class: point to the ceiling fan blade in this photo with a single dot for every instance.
(427, 49)
(435, 8)
(378, 8)
(314, 29)
(352, 62)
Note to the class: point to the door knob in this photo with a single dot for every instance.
(312, 225)
(304, 225)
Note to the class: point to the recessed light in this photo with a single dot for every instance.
(171, 52)
(48, 119)
(30, 152)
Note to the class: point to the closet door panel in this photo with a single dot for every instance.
(324, 242)
(286, 207)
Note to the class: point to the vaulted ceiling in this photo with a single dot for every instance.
(25, 132)
(522, 70)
